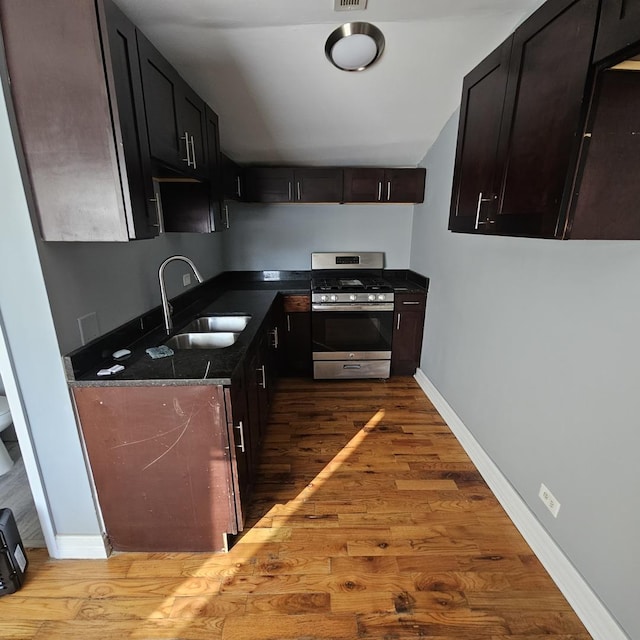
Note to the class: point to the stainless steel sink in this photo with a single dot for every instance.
(207, 324)
(217, 340)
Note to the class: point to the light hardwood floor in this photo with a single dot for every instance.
(369, 521)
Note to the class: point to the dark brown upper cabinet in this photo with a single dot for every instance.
(476, 178)
(384, 185)
(175, 115)
(82, 130)
(618, 29)
(232, 179)
(287, 184)
(540, 127)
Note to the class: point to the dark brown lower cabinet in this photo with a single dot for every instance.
(297, 336)
(409, 312)
(163, 461)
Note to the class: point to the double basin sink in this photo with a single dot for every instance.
(209, 332)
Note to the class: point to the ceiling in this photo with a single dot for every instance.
(261, 65)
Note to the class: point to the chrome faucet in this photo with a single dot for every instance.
(168, 323)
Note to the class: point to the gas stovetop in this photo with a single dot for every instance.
(350, 284)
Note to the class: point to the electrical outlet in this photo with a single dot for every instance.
(549, 500)
(271, 275)
(186, 279)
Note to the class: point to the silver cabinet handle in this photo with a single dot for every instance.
(379, 190)
(480, 201)
(388, 190)
(410, 303)
(226, 216)
(238, 189)
(351, 366)
(289, 322)
(193, 153)
(185, 137)
(298, 189)
(398, 323)
(274, 333)
(157, 200)
(263, 384)
(289, 190)
(240, 428)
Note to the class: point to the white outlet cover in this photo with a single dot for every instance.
(186, 279)
(88, 325)
(549, 500)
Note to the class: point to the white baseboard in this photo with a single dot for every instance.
(594, 615)
(81, 547)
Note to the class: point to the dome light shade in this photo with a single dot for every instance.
(354, 46)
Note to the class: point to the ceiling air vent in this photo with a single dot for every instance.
(350, 5)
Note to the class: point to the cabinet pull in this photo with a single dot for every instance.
(185, 137)
(480, 201)
(226, 216)
(289, 190)
(240, 428)
(379, 190)
(193, 154)
(298, 189)
(351, 366)
(238, 189)
(289, 322)
(410, 302)
(398, 323)
(158, 204)
(388, 190)
(263, 384)
(274, 333)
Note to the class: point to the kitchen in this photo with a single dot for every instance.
(508, 318)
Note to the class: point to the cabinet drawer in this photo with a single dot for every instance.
(410, 301)
(297, 303)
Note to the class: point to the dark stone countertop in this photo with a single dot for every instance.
(231, 293)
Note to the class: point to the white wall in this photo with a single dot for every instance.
(283, 236)
(534, 343)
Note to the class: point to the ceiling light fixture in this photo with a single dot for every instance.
(354, 46)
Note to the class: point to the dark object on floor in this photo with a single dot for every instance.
(13, 559)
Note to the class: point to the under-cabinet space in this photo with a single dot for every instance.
(76, 89)
(161, 459)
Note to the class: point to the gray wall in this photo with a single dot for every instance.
(283, 236)
(534, 343)
(118, 281)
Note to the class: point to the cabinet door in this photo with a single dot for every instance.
(318, 184)
(409, 311)
(297, 337)
(265, 184)
(192, 127)
(218, 217)
(363, 185)
(474, 180)
(235, 398)
(160, 87)
(404, 185)
(123, 79)
(161, 466)
(543, 115)
(619, 28)
(232, 179)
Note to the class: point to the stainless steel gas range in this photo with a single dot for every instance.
(351, 315)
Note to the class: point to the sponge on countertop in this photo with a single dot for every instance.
(160, 352)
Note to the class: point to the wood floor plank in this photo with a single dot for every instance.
(368, 521)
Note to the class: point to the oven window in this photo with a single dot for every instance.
(352, 330)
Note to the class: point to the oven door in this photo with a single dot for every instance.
(361, 332)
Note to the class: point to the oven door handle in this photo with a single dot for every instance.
(353, 307)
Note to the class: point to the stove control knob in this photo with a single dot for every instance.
(353, 297)
(371, 297)
(381, 296)
(323, 298)
(333, 298)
